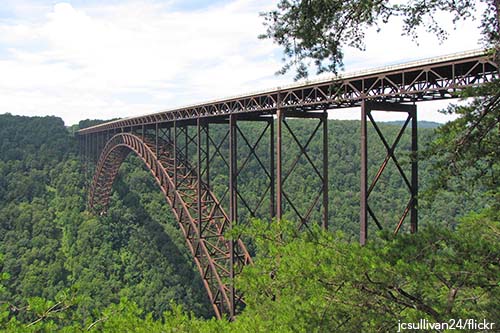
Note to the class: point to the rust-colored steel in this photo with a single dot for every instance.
(305, 216)
(233, 200)
(272, 176)
(363, 223)
(180, 161)
(411, 184)
(204, 233)
(175, 136)
(325, 191)
(414, 171)
(438, 78)
(279, 165)
(253, 154)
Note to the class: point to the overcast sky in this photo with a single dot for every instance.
(104, 59)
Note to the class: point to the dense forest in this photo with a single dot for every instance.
(65, 269)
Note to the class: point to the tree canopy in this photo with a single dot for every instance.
(318, 31)
(64, 270)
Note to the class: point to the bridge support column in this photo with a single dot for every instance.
(156, 138)
(102, 143)
(175, 154)
(233, 202)
(279, 165)
(299, 150)
(272, 179)
(412, 184)
(363, 233)
(207, 153)
(86, 159)
(324, 120)
(93, 159)
(414, 171)
(255, 156)
(91, 149)
(198, 176)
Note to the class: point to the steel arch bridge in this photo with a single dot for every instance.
(179, 149)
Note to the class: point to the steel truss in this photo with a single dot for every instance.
(200, 216)
(283, 198)
(433, 79)
(188, 149)
(411, 183)
(180, 155)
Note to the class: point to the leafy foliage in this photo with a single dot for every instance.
(312, 282)
(466, 149)
(319, 30)
(54, 250)
(318, 281)
(64, 270)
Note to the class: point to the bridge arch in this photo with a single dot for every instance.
(204, 235)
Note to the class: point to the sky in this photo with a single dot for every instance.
(91, 59)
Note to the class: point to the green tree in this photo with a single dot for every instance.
(318, 31)
(318, 281)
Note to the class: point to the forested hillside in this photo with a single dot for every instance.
(53, 250)
(64, 269)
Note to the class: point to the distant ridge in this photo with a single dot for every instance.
(421, 124)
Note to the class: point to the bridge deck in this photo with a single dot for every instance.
(436, 78)
(177, 147)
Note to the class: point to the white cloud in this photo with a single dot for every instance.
(92, 58)
(119, 60)
(389, 47)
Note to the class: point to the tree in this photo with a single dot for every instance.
(319, 30)
(318, 281)
(467, 149)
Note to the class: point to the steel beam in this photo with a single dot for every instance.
(435, 79)
(94, 147)
(253, 153)
(198, 176)
(156, 139)
(304, 217)
(272, 171)
(363, 233)
(279, 165)
(174, 149)
(207, 154)
(324, 119)
(233, 202)
(199, 213)
(414, 171)
(86, 157)
(411, 207)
